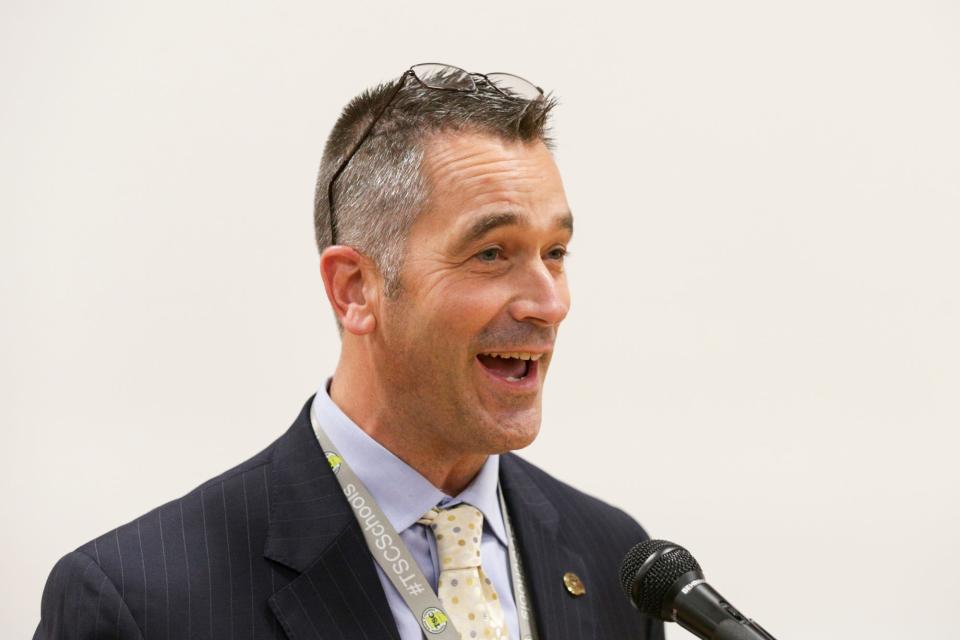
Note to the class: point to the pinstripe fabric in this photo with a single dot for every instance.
(270, 549)
(560, 529)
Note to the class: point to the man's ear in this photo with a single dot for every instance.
(352, 283)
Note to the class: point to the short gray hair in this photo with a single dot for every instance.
(383, 189)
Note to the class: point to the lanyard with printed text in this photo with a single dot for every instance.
(516, 573)
(398, 564)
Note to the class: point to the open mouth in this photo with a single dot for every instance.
(510, 366)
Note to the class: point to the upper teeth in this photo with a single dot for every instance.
(522, 355)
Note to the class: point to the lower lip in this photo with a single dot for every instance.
(526, 384)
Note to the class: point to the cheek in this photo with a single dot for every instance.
(448, 310)
(466, 309)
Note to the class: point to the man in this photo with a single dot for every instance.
(386, 509)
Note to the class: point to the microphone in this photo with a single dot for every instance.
(664, 581)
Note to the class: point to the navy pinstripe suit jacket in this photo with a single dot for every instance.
(270, 549)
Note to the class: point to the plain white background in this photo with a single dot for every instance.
(762, 360)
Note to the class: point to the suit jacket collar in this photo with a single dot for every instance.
(338, 593)
(307, 509)
(313, 531)
(545, 557)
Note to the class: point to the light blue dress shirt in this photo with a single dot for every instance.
(404, 495)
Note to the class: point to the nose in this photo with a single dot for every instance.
(544, 298)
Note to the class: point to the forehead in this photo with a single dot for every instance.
(466, 163)
(471, 174)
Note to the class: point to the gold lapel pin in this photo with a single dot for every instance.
(573, 584)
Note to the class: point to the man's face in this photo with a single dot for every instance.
(468, 340)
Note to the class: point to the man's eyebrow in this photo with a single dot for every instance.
(485, 224)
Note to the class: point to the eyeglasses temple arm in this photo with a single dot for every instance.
(353, 151)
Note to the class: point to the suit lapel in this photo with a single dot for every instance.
(545, 558)
(312, 531)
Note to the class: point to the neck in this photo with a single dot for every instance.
(445, 468)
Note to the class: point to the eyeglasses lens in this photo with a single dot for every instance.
(442, 76)
(515, 85)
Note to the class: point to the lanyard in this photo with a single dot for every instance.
(398, 564)
(516, 574)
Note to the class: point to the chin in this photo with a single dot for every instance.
(505, 424)
(521, 441)
(512, 434)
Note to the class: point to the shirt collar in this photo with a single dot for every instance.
(402, 493)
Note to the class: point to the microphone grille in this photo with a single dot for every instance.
(654, 584)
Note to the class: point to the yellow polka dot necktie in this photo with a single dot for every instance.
(464, 589)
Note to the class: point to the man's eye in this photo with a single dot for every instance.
(489, 255)
(558, 253)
